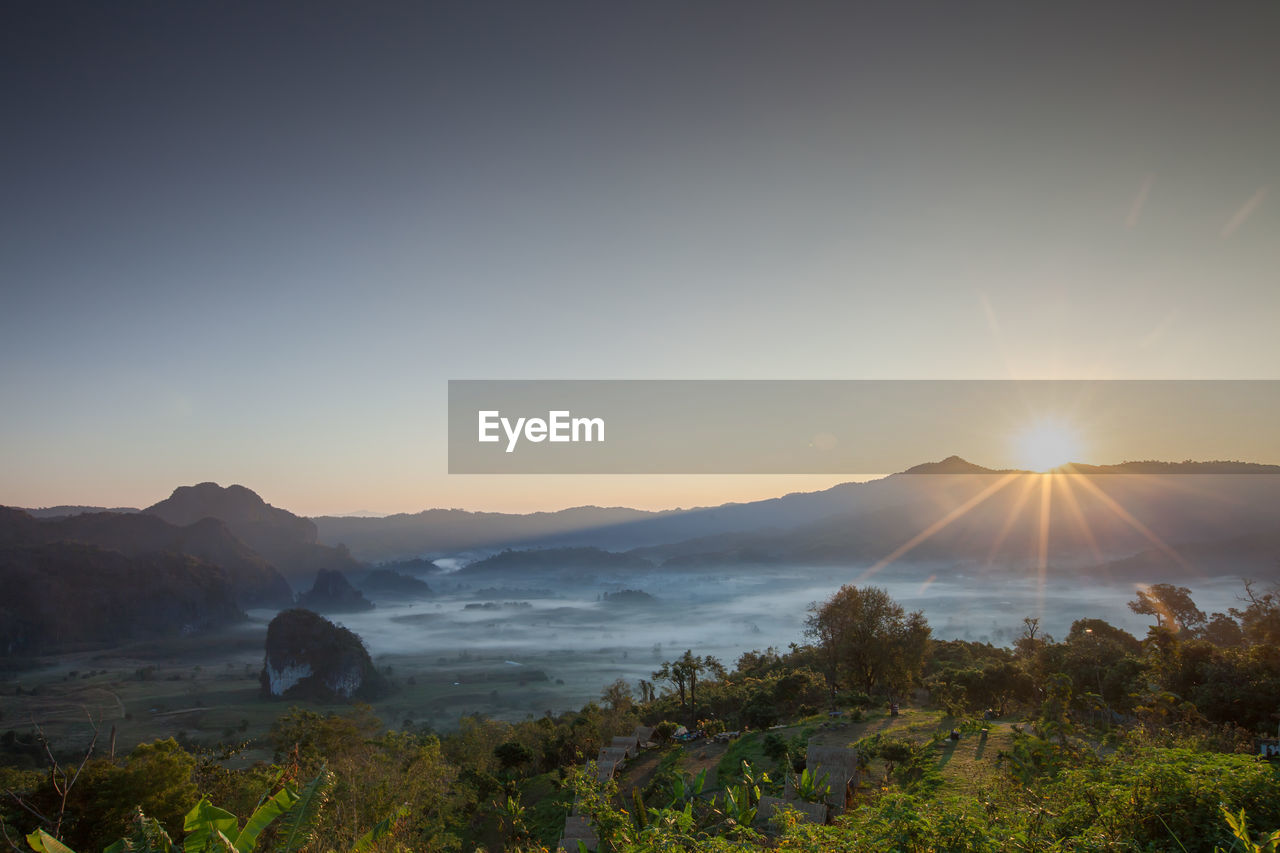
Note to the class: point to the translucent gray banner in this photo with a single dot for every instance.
(854, 427)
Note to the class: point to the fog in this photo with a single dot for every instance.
(562, 629)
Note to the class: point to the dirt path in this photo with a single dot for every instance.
(639, 773)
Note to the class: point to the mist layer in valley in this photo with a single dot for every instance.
(528, 643)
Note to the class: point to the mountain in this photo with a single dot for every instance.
(1113, 511)
(949, 510)
(254, 581)
(564, 561)
(285, 540)
(333, 593)
(65, 595)
(1081, 516)
(384, 583)
(954, 465)
(59, 511)
(447, 532)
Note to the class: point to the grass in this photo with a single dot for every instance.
(546, 805)
(749, 747)
(964, 765)
(206, 692)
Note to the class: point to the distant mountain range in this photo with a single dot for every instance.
(64, 593)
(187, 563)
(1139, 520)
(1095, 516)
(254, 581)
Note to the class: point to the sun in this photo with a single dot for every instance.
(1047, 445)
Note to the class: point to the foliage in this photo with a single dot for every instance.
(867, 639)
(209, 829)
(1171, 605)
(1122, 744)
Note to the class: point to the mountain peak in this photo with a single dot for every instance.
(231, 504)
(950, 465)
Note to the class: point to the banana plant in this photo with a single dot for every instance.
(1239, 825)
(738, 806)
(813, 789)
(685, 789)
(209, 829)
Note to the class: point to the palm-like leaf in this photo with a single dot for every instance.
(280, 804)
(365, 842)
(43, 842)
(203, 824)
(148, 837)
(299, 822)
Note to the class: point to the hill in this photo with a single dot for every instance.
(254, 581)
(389, 584)
(59, 511)
(1094, 514)
(563, 561)
(1081, 516)
(309, 657)
(286, 540)
(333, 593)
(62, 595)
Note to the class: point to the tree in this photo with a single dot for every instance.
(868, 639)
(1031, 643)
(1169, 604)
(512, 755)
(1260, 621)
(677, 676)
(1222, 630)
(1002, 683)
(683, 672)
(618, 696)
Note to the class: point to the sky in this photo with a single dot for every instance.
(251, 243)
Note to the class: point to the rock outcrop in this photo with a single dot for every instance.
(309, 657)
(384, 583)
(333, 593)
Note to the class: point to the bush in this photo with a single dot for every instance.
(1146, 800)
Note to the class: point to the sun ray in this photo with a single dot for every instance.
(1042, 551)
(1125, 516)
(1028, 483)
(1082, 523)
(938, 525)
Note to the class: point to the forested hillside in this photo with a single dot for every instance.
(868, 734)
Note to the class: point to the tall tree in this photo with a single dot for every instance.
(1260, 621)
(683, 672)
(669, 671)
(1171, 605)
(867, 639)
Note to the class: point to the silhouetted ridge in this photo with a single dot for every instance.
(333, 593)
(569, 560)
(256, 582)
(64, 595)
(384, 582)
(286, 540)
(1151, 466)
(952, 465)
